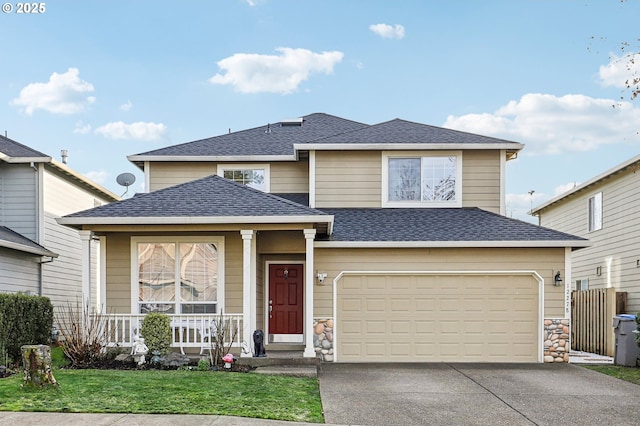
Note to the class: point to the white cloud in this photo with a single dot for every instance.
(518, 206)
(138, 131)
(98, 176)
(81, 128)
(254, 73)
(388, 31)
(549, 124)
(63, 94)
(127, 106)
(620, 70)
(561, 189)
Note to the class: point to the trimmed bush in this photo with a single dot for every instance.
(156, 330)
(24, 320)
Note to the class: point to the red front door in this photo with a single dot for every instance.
(285, 299)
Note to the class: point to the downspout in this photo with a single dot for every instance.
(37, 224)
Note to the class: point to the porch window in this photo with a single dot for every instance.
(428, 180)
(595, 212)
(252, 175)
(178, 277)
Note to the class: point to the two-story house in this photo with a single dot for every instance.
(37, 255)
(606, 210)
(350, 241)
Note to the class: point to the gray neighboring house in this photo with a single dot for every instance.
(606, 210)
(37, 255)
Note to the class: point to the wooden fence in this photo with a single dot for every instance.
(592, 313)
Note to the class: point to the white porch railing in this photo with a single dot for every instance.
(188, 330)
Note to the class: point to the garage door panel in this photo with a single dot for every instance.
(438, 318)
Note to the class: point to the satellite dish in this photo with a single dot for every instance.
(126, 180)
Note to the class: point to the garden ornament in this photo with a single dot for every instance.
(139, 351)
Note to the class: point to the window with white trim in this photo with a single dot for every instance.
(252, 175)
(422, 179)
(582, 284)
(595, 212)
(178, 275)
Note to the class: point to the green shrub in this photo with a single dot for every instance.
(204, 365)
(156, 330)
(24, 320)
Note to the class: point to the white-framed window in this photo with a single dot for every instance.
(582, 284)
(177, 275)
(422, 179)
(595, 212)
(253, 175)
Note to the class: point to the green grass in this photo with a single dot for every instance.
(629, 374)
(169, 392)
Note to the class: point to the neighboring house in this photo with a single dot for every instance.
(37, 255)
(606, 210)
(356, 242)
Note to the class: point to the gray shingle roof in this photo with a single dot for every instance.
(435, 225)
(270, 139)
(402, 131)
(15, 149)
(11, 239)
(207, 197)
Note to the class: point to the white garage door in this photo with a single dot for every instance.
(437, 318)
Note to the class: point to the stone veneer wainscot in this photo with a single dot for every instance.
(556, 340)
(323, 338)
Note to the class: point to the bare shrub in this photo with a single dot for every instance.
(223, 334)
(83, 334)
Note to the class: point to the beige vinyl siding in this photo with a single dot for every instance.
(481, 180)
(119, 271)
(285, 177)
(348, 179)
(163, 174)
(616, 247)
(546, 261)
(290, 177)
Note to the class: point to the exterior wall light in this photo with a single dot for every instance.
(321, 277)
(557, 280)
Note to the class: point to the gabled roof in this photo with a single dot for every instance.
(439, 227)
(209, 200)
(631, 164)
(281, 142)
(15, 241)
(15, 152)
(270, 142)
(409, 133)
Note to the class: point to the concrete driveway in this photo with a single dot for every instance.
(475, 394)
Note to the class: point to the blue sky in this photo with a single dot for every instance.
(107, 79)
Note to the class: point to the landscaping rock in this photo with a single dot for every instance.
(174, 360)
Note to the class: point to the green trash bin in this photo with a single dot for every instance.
(626, 352)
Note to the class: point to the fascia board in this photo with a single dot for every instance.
(189, 220)
(16, 160)
(27, 249)
(586, 184)
(404, 146)
(205, 158)
(453, 244)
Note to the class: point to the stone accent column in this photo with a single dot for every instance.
(556, 340)
(248, 285)
(323, 338)
(309, 351)
(37, 366)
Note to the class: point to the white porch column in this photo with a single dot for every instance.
(85, 247)
(309, 351)
(248, 285)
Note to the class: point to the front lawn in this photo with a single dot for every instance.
(629, 374)
(170, 392)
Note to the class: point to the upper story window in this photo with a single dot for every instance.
(424, 179)
(253, 175)
(595, 212)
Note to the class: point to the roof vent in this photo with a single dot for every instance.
(292, 122)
